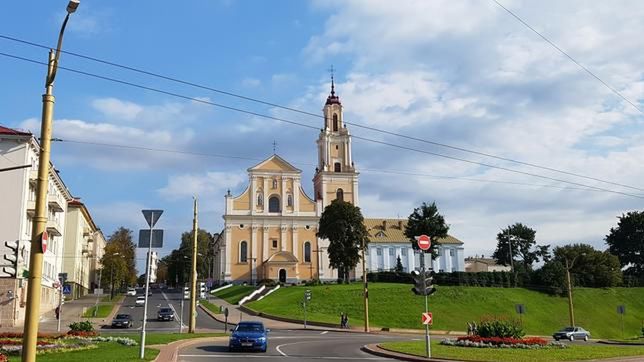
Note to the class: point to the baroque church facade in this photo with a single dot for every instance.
(270, 228)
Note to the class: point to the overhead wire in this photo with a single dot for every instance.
(358, 125)
(280, 119)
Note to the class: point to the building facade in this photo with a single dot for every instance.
(478, 264)
(387, 243)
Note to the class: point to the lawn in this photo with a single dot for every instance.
(210, 306)
(235, 293)
(573, 353)
(395, 306)
(104, 307)
(165, 338)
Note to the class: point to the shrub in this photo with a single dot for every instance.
(496, 342)
(267, 282)
(500, 327)
(84, 326)
(82, 333)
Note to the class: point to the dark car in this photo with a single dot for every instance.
(571, 333)
(249, 335)
(122, 321)
(165, 314)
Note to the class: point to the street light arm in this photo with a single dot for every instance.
(51, 78)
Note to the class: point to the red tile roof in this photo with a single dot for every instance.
(10, 131)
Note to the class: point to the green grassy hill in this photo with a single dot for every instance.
(395, 306)
(235, 293)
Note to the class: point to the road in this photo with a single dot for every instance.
(163, 298)
(300, 345)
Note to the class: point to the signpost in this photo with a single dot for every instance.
(621, 310)
(62, 278)
(520, 308)
(424, 243)
(427, 318)
(151, 216)
(305, 301)
(226, 320)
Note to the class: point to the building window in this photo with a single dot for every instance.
(243, 252)
(392, 251)
(289, 200)
(274, 204)
(379, 252)
(339, 195)
(307, 252)
(337, 147)
(274, 183)
(335, 122)
(275, 244)
(451, 252)
(337, 167)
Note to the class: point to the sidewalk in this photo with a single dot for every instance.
(72, 312)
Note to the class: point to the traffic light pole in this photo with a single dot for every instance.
(428, 348)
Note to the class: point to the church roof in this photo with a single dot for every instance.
(393, 231)
(11, 131)
(274, 163)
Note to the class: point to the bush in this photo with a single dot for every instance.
(269, 283)
(500, 327)
(505, 340)
(82, 333)
(84, 326)
(3, 358)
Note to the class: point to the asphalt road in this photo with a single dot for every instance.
(159, 299)
(300, 345)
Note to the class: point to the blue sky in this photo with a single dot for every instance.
(459, 72)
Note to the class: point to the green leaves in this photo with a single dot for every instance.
(627, 242)
(425, 220)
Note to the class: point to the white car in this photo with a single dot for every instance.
(140, 300)
(131, 292)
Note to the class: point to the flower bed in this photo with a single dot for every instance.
(82, 333)
(501, 342)
(3, 358)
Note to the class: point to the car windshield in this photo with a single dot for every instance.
(165, 310)
(140, 298)
(568, 329)
(122, 316)
(250, 328)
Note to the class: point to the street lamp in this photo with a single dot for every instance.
(571, 310)
(32, 316)
(112, 276)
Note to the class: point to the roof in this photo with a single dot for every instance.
(488, 261)
(11, 131)
(274, 164)
(393, 231)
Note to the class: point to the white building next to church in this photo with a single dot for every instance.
(387, 242)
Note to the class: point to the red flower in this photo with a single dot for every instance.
(499, 340)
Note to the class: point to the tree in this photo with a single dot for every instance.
(425, 220)
(627, 242)
(343, 225)
(179, 262)
(524, 247)
(118, 261)
(399, 265)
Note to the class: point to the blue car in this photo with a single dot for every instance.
(249, 335)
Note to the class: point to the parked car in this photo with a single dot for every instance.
(131, 292)
(140, 300)
(249, 335)
(122, 321)
(571, 333)
(165, 314)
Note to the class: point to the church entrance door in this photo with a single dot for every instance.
(282, 275)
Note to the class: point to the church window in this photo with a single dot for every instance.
(274, 243)
(289, 200)
(335, 122)
(307, 252)
(380, 234)
(337, 167)
(274, 183)
(274, 204)
(243, 252)
(339, 195)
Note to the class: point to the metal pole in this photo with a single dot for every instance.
(366, 291)
(181, 317)
(193, 279)
(147, 288)
(60, 306)
(570, 306)
(304, 304)
(428, 348)
(511, 257)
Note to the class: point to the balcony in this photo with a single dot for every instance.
(55, 203)
(54, 228)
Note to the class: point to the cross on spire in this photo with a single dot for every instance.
(331, 70)
(274, 147)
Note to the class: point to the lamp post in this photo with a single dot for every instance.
(571, 311)
(40, 220)
(112, 275)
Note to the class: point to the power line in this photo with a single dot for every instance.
(396, 134)
(313, 127)
(569, 57)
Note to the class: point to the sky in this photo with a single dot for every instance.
(461, 73)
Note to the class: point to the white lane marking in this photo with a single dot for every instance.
(325, 332)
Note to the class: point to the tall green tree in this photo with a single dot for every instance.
(426, 220)
(119, 259)
(343, 225)
(524, 247)
(627, 242)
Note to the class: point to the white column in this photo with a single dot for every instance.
(296, 196)
(349, 150)
(253, 251)
(228, 256)
(282, 236)
(386, 263)
(265, 192)
(283, 200)
(411, 261)
(253, 194)
(265, 242)
(294, 246)
(356, 202)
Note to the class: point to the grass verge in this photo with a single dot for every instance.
(210, 306)
(235, 293)
(395, 306)
(572, 353)
(104, 308)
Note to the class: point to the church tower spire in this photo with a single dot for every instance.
(335, 175)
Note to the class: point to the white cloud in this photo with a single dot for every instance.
(210, 185)
(251, 82)
(117, 108)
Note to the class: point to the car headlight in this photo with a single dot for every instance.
(261, 339)
(233, 338)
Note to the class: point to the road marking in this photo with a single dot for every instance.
(325, 332)
(280, 357)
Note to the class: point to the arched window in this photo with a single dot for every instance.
(260, 199)
(335, 122)
(337, 167)
(274, 204)
(274, 183)
(289, 200)
(307, 252)
(243, 252)
(339, 195)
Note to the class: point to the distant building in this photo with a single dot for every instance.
(482, 264)
(387, 242)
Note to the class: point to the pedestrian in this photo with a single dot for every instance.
(475, 331)
(469, 328)
(342, 320)
(346, 321)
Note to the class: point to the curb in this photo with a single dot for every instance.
(376, 350)
(215, 316)
(170, 352)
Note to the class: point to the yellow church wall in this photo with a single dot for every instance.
(306, 204)
(243, 201)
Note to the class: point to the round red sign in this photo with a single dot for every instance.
(424, 242)
(44, 239)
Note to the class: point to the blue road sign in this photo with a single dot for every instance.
(67, 289)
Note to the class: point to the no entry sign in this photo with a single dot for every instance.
(44, 239)
(424, 242)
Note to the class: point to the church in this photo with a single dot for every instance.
(270, 228)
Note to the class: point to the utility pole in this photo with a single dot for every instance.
(571, 311)
(147, 283)
(193, 279)
(511, 257)
(34, 286)
(366, 291)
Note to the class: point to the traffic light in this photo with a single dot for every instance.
(12, 257)
(423, 283)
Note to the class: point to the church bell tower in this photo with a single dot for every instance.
(335, 176)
